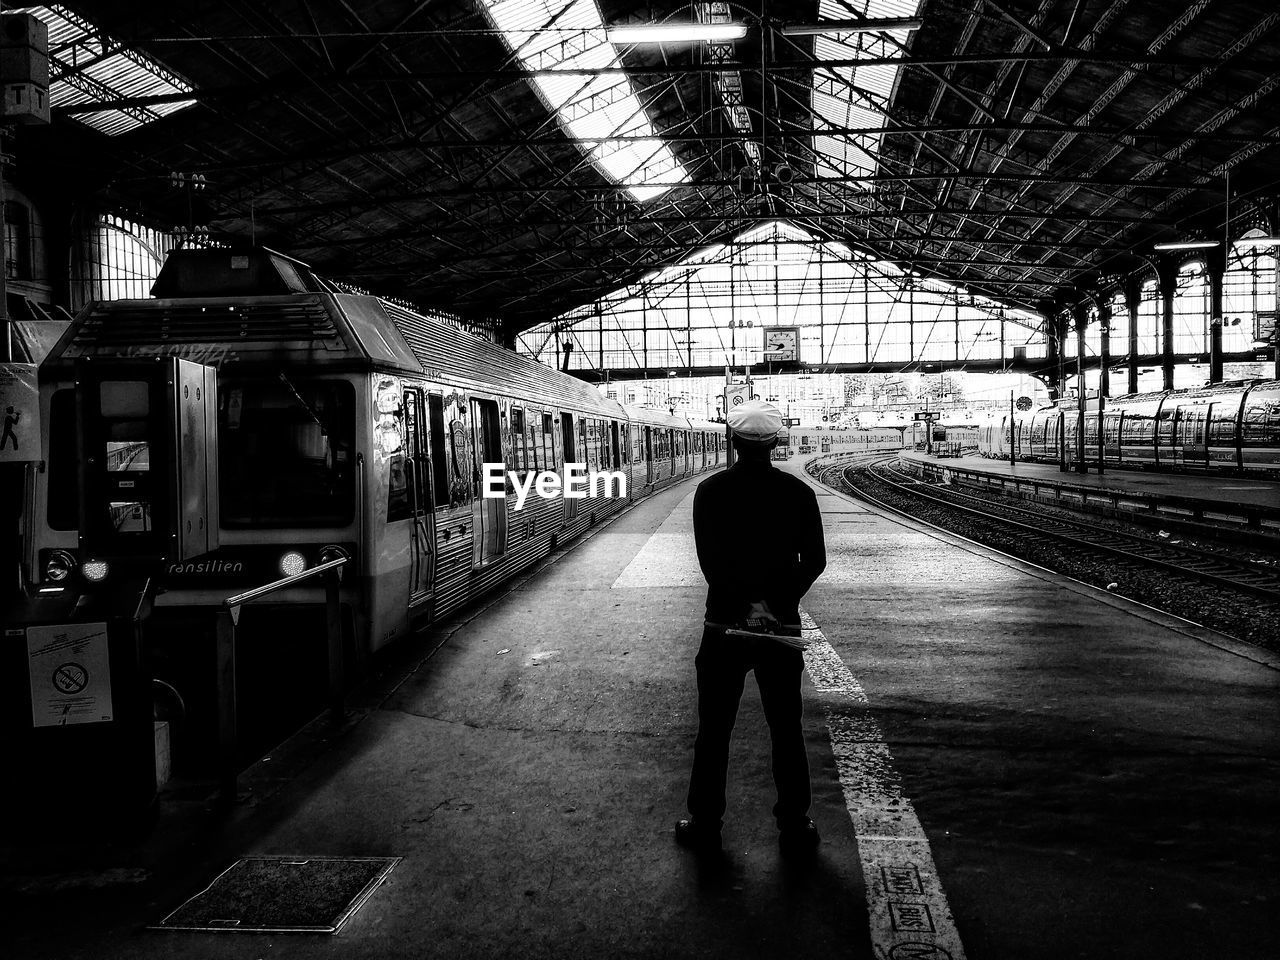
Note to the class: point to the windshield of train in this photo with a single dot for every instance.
(286, 452)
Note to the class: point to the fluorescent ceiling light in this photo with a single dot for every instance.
(851, 26)
(1187, 245)
(592, 109)
(677, 33)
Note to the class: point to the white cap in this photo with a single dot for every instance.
(755, 420)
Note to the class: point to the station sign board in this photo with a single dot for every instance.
(927, 415)
(1264, 326)
(736, 394)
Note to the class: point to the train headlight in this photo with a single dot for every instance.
(95, 571)
(59, 566)
(292, 563)
(332, 552)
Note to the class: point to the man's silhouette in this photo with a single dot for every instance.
(758, 532)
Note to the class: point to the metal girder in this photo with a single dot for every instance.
(996, 365)
(513, 74)
(748, 217)
(585, 191)
(1269, 22)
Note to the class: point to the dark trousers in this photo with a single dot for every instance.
(722, 664)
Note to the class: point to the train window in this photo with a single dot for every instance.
(518, 456)
(64, 511)
(285, 456)
(531, 440)
(1260, 425)
(439, 464)
(1222, 428)
(392, 436)
(566, 426)
(548, 441)
(1166, 427)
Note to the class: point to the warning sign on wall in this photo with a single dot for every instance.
(70, 674)
(19, 412)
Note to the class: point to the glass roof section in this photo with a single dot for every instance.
(855, 96)
(86, 67)
(554, 34)
(715, 307)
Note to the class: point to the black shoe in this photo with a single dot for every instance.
(799, 838)
(690, 834)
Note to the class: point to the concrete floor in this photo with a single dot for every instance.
(1091, 783)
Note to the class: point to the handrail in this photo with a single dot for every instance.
(269, 588)
(228, 620)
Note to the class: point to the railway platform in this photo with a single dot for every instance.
(1211, 489)
(1005, 764)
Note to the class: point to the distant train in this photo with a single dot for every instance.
(951, 436)
(1228, 427)
(251, 422)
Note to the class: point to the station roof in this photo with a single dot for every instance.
(433, 151)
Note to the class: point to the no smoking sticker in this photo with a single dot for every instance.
(70, 674)
(70, 678)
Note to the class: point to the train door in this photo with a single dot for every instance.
(1192, 422)
(489, 514)
(648, 454)
(569, 447)
(1112, 422)
(1165, 431)
(421, 504)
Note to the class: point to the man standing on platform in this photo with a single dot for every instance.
(758, 532)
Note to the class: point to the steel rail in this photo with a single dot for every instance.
(1087, 536)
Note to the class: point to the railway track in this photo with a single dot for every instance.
(1191, 562)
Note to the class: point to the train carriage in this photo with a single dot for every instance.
(327, 424)
(1226, 427)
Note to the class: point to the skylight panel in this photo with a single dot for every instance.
(854, 96)
(88, 67)
(597, 111)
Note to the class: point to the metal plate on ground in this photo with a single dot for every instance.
(282, 895)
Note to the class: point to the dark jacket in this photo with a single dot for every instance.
(758, 532)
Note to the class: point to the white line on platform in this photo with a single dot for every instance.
(908, 910)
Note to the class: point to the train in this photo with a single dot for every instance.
(251, 421)
(954, 435)
(1229, 427)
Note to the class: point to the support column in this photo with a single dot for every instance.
(1104, 378)
(1168, 277)
(1052, 352)
(1215, 270)
(1104, 351)
(1080, 317)
(1132, 298)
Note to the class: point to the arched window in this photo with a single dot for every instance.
(1150, 309)
(121, 260)
(1119, 324)
(1248, 286)
(17, 240)
(1191, 309)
